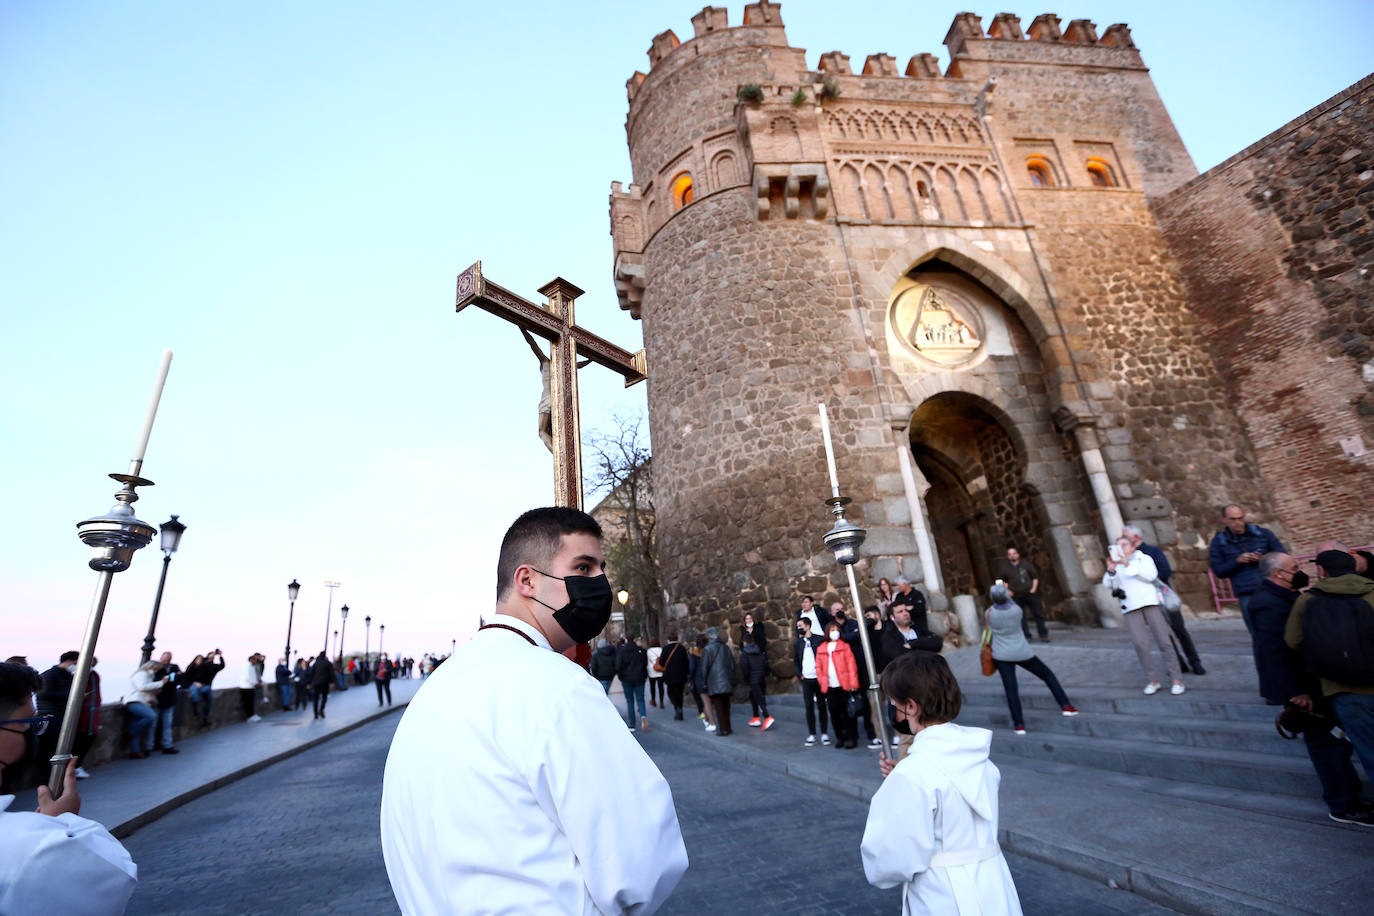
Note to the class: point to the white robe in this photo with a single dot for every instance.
(512, 786)
(932, 827)
(65, 864)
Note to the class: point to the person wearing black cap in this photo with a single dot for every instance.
(1342, 599)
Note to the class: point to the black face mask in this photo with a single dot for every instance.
(1300, 581)
(904, 727)
(589, 606)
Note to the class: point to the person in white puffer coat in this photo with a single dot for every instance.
(1134, 580)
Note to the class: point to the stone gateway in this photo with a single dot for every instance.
(966, 267)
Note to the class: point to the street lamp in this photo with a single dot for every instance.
(293, 589)
(623, 596)
(381, 637)
(336, 644)
(171, 538)
(329, 610)
(367, 645)
(343, 633)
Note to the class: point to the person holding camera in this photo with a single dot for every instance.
(1131, 576)
(200, 675)
(1010, 648)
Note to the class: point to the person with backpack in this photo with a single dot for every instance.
(1283, 682)
(1332, 627)
(383, 679)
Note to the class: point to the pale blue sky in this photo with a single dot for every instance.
(283, 194)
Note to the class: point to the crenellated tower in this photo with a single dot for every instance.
(962, 264)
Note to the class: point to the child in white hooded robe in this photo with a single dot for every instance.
(932, 825)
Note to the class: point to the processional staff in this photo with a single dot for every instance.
(113, 538)
(844, 540)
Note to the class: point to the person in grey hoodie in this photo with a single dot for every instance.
(1010, 649)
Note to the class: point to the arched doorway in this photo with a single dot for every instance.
(979, 501)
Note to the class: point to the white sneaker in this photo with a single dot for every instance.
(810, 741)
(255, 718)
(1151, 689)
(1177, 689)
(82, 774)
(710, 727)
(825, 739)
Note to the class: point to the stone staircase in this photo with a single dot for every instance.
(1192, 801)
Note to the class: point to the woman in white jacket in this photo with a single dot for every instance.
(1134, 580)
(139, 703)
(932, 824)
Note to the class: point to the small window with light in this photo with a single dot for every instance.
(1041, 176)
(682, 190)
(1100, 174)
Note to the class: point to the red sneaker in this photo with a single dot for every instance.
(755, 722)
(767, 723)
(1069, 711)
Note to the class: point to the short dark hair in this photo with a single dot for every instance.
(68, 657)
(18, 684)
(534, 538)
(924, 677)
(808, 598)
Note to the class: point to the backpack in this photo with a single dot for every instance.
(1338, 638)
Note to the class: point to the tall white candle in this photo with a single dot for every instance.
(829, 453)
(142, 446)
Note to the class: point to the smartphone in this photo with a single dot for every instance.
(1115, 553)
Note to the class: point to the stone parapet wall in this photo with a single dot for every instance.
(1276, 247)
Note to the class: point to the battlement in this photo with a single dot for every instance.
(966, 29)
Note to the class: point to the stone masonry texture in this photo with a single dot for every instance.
(980, 268)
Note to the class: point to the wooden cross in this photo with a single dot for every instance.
(554, 323)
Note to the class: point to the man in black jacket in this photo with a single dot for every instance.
(1283, 681)
(52, 701)
(903, 634)
(632, 667)
(676, 668)
(321, 680)
(167, 703)
(804, 662)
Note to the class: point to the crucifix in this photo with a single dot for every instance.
(554, 323)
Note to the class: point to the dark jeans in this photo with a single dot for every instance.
(321, 698)
(813, 699)
(1356, 714)
(1331, 759)
(383, 686)
(302, 696)
(1036, 667)
(846, 729)
(1033, 608)
(866, 713)
(675, 696)
(246, 702)
(656, 690)
(756, 668)
(162, 735)
(1185, 641)
(720, 702)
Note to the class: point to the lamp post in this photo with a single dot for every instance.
(367, 644)
(452, 646)
(329, 610)
(343, 634)
(623, 596)
(844, 540)
(112, 538)
(292, 590)
(381, 637)
(171, 538)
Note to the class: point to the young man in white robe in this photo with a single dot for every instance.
(506, 785)
(932, 824)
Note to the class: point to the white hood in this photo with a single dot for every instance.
(961, 755)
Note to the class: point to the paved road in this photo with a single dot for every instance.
(302, 836)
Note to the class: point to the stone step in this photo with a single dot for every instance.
(1190, 845)
(1175, 730)
(1195, 704)
(1202, 765)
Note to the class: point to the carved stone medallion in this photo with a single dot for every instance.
(937, 326)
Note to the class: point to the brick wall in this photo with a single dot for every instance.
(1275, 248)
